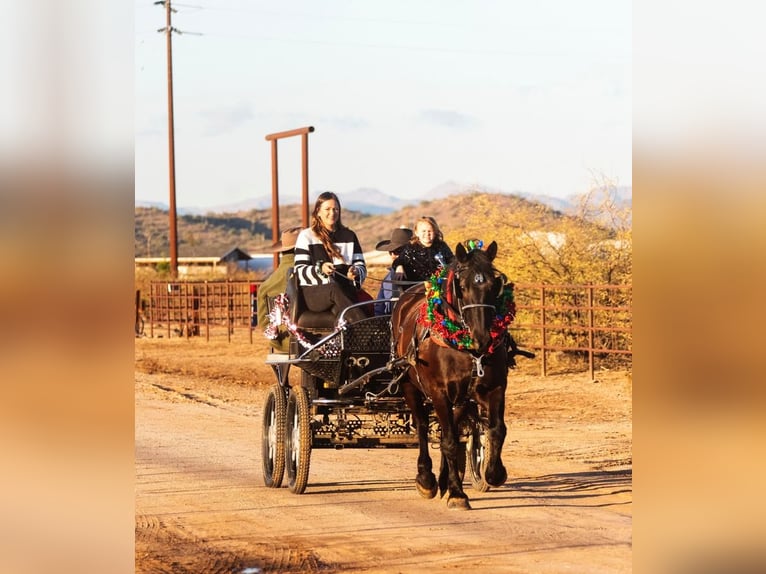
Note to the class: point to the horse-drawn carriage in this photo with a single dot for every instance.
(399, 380)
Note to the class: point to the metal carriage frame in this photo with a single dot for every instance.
(347, 396)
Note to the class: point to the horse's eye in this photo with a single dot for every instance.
(478, 278)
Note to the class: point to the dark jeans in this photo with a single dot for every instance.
(333, 297)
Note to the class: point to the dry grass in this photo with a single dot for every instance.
(241, 362)
(237, 362)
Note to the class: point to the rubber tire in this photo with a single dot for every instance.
(461, 460)
(476, 461)
(298, 439)
(273, 437)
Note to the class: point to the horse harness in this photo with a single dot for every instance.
(453, 298)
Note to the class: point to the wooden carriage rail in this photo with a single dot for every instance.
(591, 319)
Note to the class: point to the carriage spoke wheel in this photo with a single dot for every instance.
(298, 440)
(476, 455)
(273, 437)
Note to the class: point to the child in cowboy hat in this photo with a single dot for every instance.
(388, 288)
(276, 283)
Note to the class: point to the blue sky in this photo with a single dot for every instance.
(404, 96)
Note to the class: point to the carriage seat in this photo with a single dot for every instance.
(300, 314)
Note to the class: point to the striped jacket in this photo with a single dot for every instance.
(310, 254)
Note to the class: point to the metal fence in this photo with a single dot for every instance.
(590, 323)
(200, 308)
(594, 322)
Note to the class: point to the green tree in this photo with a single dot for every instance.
(541, 245)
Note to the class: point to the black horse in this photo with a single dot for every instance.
(452, 332)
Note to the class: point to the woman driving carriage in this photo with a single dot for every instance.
(329, 262)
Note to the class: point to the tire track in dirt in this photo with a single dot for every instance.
(168, 547)
(210, 400)
(163, 546)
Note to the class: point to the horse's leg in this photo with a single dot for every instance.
(449, 474)
(425, 481)
(458, 413)
(495, 474)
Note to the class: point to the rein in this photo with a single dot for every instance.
(450, 295)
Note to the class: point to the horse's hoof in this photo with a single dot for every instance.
(458, 503)
(497, 478)
(424, 491)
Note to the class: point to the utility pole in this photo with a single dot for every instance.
(168, 29)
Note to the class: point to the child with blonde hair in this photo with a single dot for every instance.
(426, 252)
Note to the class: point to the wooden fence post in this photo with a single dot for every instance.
(590, 331)
(543, 364)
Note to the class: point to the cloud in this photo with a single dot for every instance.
(225, 119)
(150, 132)
(346, 123)
(448, 119)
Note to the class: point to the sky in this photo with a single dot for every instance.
(403, 96)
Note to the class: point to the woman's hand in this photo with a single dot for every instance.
(352, 273)
(327, 268)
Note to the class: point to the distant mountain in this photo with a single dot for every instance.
(372, 201)
(151, 204)
(364, 200)
(623, 195)
(450, 188)
(564, 205)
(179, 209)
(260, 202)
(216, 234)
(443, 190)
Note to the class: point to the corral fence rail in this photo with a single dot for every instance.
(590, 323)
(197, 308)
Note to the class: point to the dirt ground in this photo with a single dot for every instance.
(201, 505)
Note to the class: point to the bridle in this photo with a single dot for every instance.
(455, 309)
(455, 291)
(443, 315)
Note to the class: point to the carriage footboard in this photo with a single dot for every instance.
(389, 367)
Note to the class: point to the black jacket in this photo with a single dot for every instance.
(421, 262)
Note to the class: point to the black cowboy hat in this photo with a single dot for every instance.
(399, 238)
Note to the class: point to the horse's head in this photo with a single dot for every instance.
(477, 287)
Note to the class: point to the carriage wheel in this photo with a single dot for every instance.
(476, 458)
(298, 440)
(273, 437)
(311, 383)
(462, 447)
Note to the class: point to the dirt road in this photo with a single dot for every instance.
(201, 505)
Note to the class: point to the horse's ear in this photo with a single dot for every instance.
(492, 250)
(499, 283)
(460, 253)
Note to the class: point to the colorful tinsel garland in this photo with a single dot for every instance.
(432, 317)
(279, 315)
